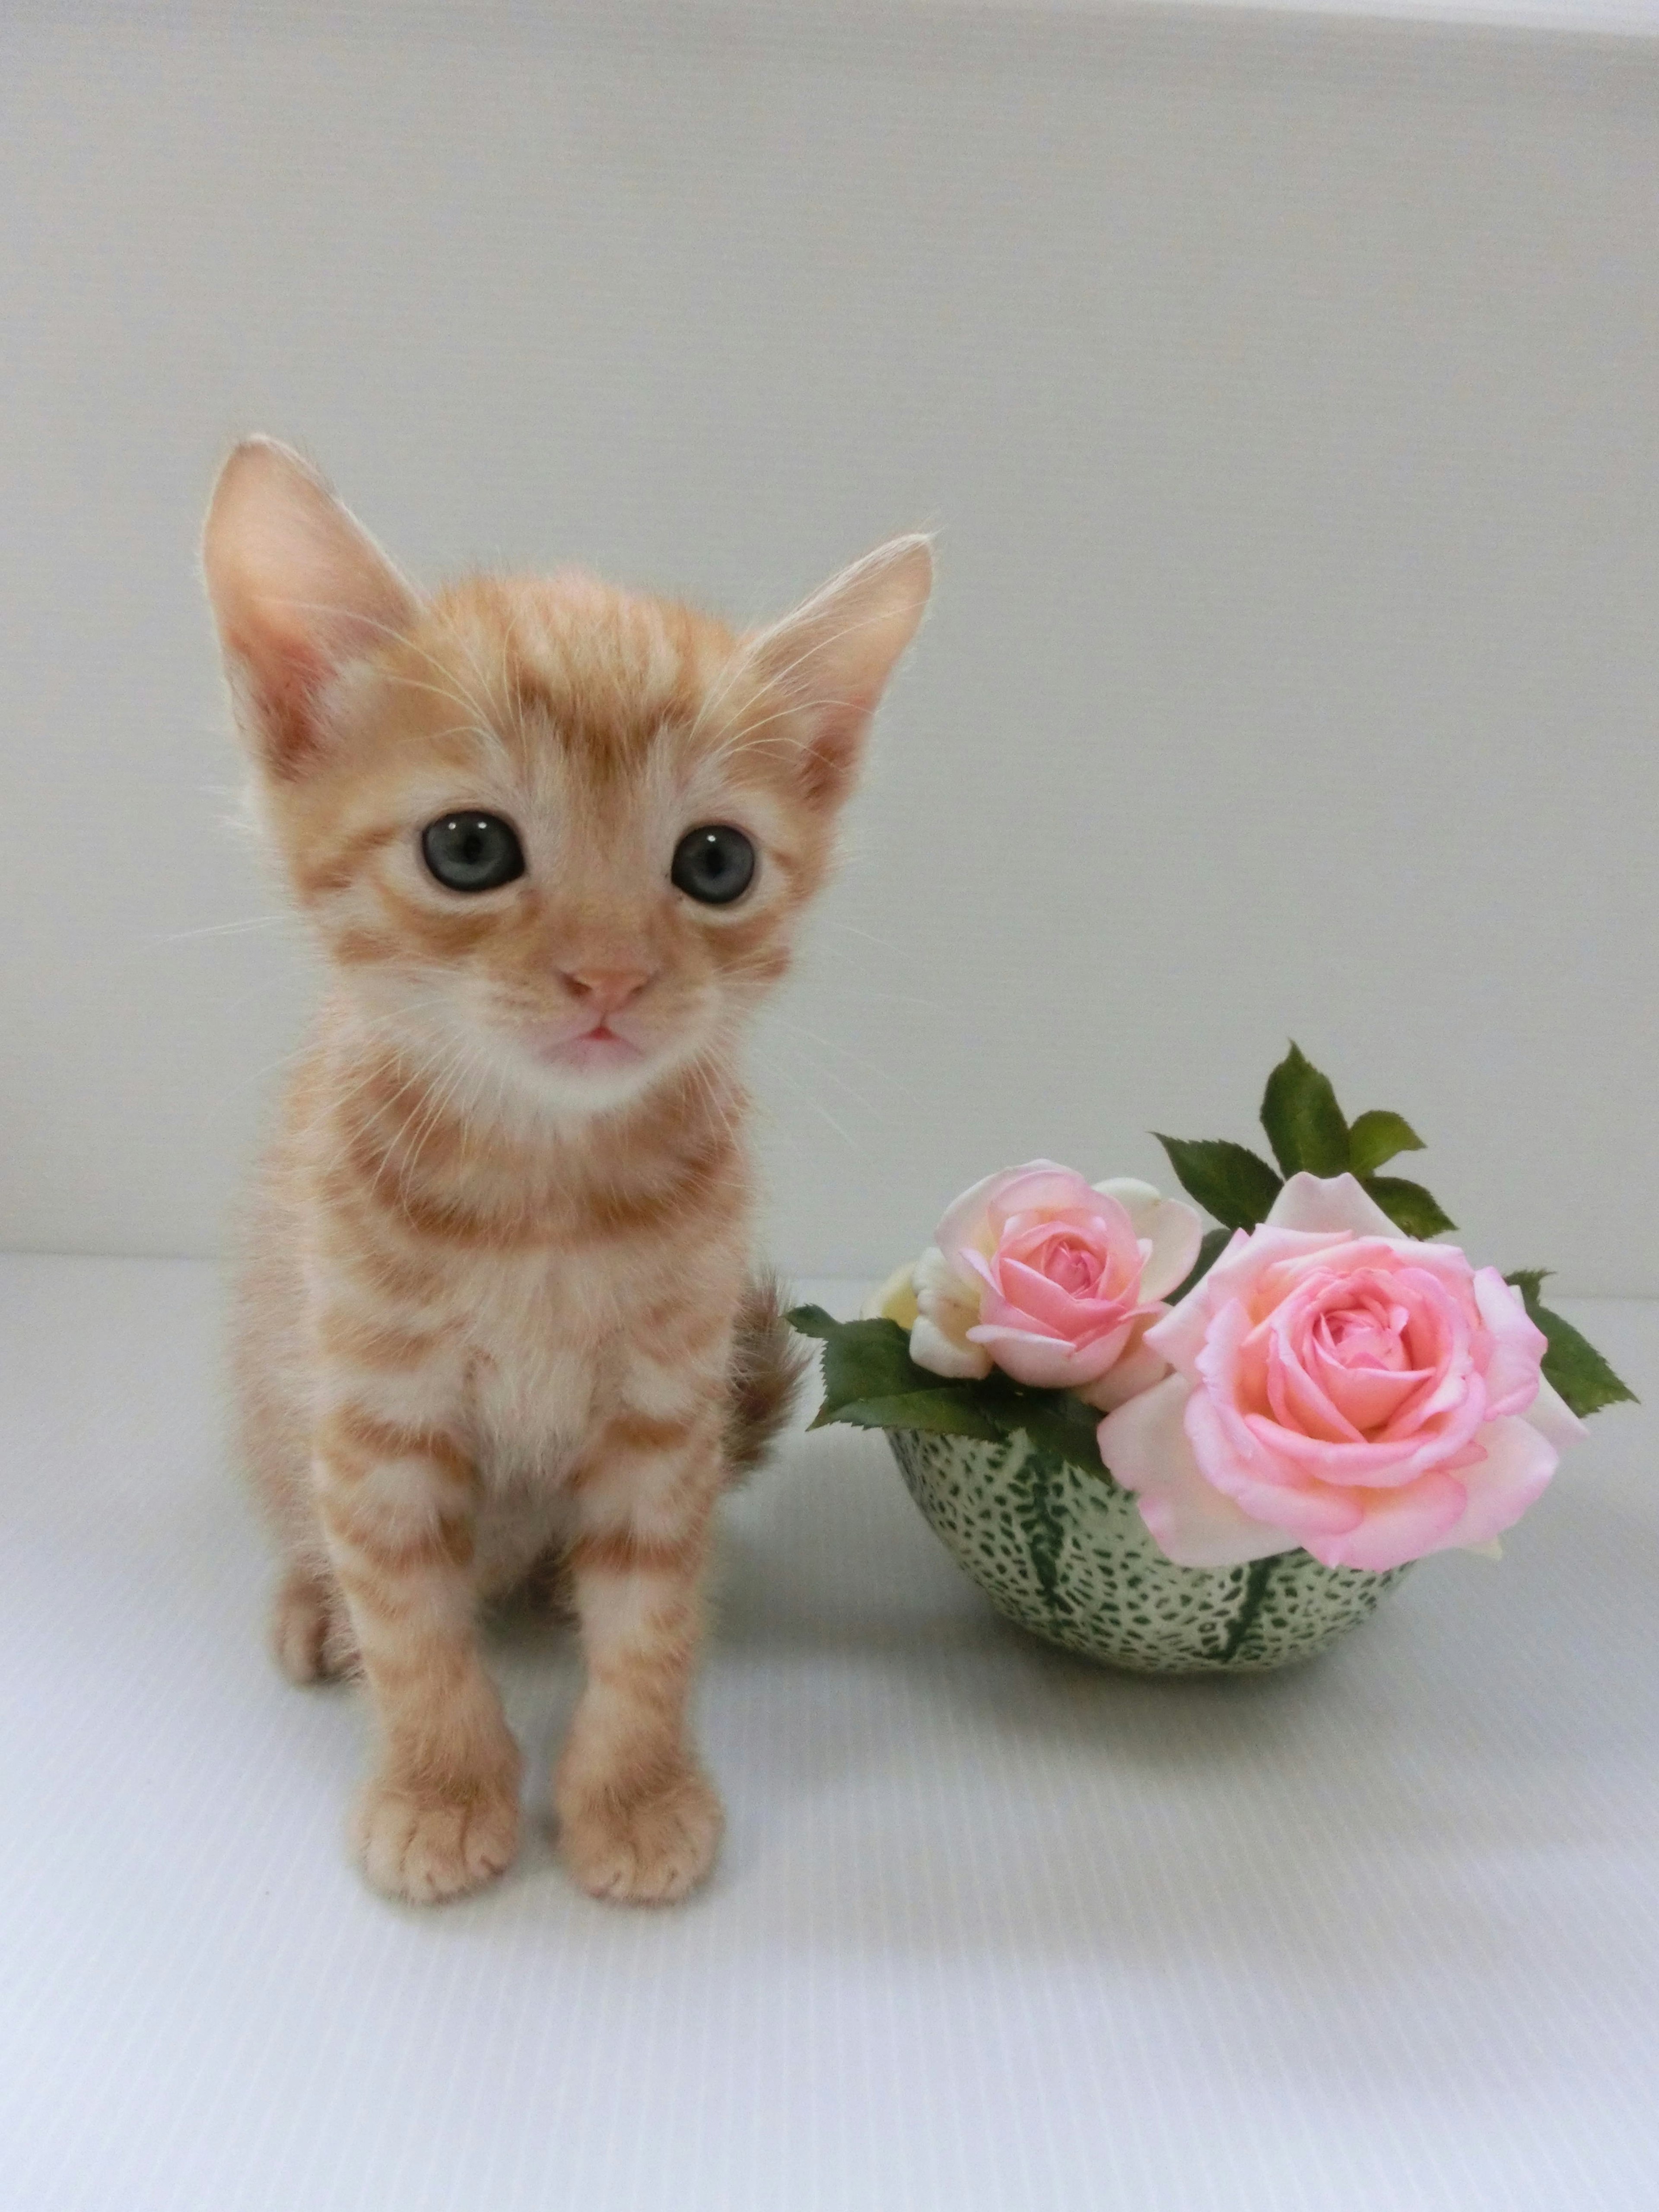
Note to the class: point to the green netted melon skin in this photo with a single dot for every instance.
(1065, 1554)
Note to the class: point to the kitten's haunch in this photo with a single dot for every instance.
(497, 1304)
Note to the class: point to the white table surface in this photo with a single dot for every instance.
(993, 1929)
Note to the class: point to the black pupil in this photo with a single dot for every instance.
(714, 864)
(472, 852)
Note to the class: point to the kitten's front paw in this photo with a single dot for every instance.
(650, 1850)
(427, 1843)
(310, 1629)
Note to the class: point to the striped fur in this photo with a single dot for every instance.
(497, 1308)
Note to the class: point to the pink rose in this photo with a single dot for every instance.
(1342, 1388)
(1054, 1281)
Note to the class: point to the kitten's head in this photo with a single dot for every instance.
(562, 830)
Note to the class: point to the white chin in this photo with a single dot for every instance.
(596, 1087)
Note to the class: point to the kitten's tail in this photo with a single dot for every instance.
(768, 1363)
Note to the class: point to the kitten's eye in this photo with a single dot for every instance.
(714, 864)
(472, 852)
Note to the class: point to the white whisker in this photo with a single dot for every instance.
(222, 929)
(818, 1108)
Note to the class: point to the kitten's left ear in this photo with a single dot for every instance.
(831, 658)
(300, 590)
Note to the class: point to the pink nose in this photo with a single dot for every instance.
(606, 991)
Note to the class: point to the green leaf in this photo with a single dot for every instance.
(871, 1382)
(1229, 1181)
(947, 1410)
(1376, 1137)
(1572, 1362)
(1303, 1122)
(862, 1359)
(812, 1321)
(869, 1375)
(1054, 1421)
(1213, 1244)
(1408, 1205)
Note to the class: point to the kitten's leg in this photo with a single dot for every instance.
(397, 1496)
(639, 1821)
(310, 1629)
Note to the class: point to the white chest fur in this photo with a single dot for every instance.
(543, 1327)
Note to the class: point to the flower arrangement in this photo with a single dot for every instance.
(1317, 1380)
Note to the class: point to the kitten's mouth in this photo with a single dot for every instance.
(591, 1051)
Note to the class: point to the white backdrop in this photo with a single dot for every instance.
(1286, 402)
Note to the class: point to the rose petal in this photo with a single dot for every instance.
(1145, 1444)
(1397, 1525)
(1388, 1464)
(1518, 1345)
(1136, 1368)
(1051, 1243)
(1367, 1397)
(1514, 1474)
(1045, 1362)
(1297, 1398)
(948, 1307)
(1174, 1230)
(1309, 1201)
(1242, 1264)
(1138, 1200)
(1023, 1298)
(895, 1299)
(1040, 1185)
(1554, 1418)
(965, 1215)
(1260, 1483)
(930, 1348)
(1043, 1187)
(1076, 1256)
(939, 1282)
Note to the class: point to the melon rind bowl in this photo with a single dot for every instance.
(1065, 1553)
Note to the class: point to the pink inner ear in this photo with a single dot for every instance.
(283, 690)
(829, 763)
(834, 656)
(299, 589)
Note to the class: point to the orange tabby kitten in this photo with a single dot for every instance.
(497, 1306)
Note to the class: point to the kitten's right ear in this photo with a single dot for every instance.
(299, 590)
(831, 658)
